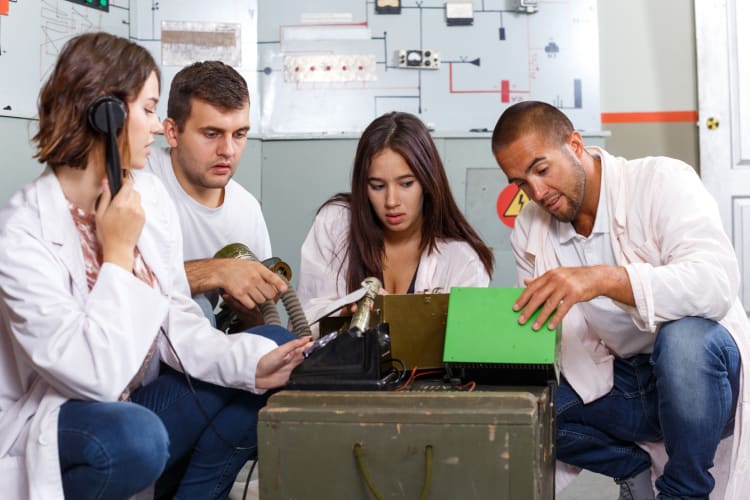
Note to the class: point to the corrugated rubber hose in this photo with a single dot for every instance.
(225, 317)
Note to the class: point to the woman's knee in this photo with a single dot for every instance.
(134, 437)
(145, 441)
(112, 447)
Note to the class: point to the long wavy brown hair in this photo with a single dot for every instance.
(89, 66)
(406, 135)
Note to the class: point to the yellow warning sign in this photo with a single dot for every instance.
(509, 203)
(516, 204)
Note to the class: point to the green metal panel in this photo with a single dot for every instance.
(483, 328)
(484, 444)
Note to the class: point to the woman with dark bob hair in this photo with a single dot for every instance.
(399, 223)
(93, 295)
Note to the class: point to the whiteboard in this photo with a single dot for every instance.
(152, 19)
(31, 37)
(502, 57)
(33, 33)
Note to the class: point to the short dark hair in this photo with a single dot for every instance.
(89, 66)
(211, 81)
(527, 117)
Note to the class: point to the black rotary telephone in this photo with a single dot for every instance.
(107, 115)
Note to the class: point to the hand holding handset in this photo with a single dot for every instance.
(107, 115)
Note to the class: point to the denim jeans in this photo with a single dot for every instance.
(684, 393)
(114, 450)
(207, 307)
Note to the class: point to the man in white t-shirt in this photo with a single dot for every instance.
(206, 129)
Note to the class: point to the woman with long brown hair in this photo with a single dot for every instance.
(93, 295)
(399, 223)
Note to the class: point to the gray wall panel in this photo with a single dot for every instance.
(298, 176)
(17, 167)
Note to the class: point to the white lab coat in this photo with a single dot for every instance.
(667, 233)
(453, 263)
(60, 341)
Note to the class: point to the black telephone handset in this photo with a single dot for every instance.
(107, 115)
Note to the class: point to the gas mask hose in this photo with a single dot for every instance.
(289, 298)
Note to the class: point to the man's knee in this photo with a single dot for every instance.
(687, 340)
(689, 350)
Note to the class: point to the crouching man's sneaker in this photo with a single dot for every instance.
(637, 487)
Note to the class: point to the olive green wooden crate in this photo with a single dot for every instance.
(486, 444)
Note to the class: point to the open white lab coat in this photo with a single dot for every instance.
(666, 231)
(60, 341)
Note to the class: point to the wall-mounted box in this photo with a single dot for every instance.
(459, 13)
(388, 6)
(418, 59)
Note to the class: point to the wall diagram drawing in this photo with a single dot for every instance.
(31, 37)
(332, 66)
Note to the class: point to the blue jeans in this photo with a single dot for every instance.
(684, 393)
(114, 450)
(207, 307)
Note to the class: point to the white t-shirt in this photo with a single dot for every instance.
(206, 230)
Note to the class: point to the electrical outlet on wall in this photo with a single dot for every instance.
(329, 68)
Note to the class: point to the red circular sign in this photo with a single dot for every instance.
(510, 201)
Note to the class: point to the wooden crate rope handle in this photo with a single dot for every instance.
(359, 455)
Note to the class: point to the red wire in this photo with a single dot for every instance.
(468, 387)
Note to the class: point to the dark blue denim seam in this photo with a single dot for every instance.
(168, 404)
(727, 349)
(225, 471)
(103, 449)
(563, 408)
(635, 452)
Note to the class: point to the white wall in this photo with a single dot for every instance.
(647, 60)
